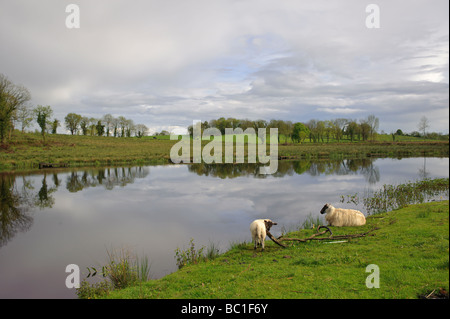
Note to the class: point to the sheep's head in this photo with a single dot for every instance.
(269, 224)
(324, 208)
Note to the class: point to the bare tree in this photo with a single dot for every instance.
(108, 120)
(123, 125)
(129, 127)
(373, 122)
(141, 130)
(24, 115)
(115, 126)
(423, 125)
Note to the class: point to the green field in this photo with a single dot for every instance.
(410, 248)
(26, 150)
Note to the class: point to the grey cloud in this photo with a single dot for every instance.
(170, 62)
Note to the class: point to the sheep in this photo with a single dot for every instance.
(259, 229)
(341, 217)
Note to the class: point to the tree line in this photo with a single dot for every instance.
(15, 109)
(108, 125)
(314, 130)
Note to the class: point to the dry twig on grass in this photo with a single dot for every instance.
(314, 236)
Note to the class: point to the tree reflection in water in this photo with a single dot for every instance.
(363, 167)
(18, 199)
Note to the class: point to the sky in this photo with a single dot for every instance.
(168, 63)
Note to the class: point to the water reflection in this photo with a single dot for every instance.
(363, 167)
(16, 201)
(108, 178)
(13, 209)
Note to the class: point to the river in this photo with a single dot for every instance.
(53, 218)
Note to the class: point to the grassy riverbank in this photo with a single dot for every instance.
(26, 150)
(410, 248)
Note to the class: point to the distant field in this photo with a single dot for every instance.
(26, 150)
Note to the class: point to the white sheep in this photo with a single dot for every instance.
(259, 229)
(341, 217)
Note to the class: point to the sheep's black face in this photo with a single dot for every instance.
(322, 211)
(269, 224)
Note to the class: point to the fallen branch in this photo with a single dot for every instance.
(274, 239)
(313, 237)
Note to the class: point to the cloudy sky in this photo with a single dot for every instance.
(167, 63)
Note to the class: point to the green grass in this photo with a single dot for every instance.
(26, 150)
(411, 249)
(364, 150)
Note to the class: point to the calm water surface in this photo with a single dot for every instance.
(52, 219)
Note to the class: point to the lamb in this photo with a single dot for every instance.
(259, 229)
(341, 217)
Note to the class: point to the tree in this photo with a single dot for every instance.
(300, 132)
(338, 128)
(24, 115)
(329, 126)
(129, 127)
(122, 122)
(72, 121)
(284, 128)
(55, 125)
(92, 125)
(423, 125)
(115, 125)
(320, 130)
(108, 120)
(141, 130)
(373, 122)
(288, 128)
(84, 125)
(259, 124)
(364, 128)
(100, 128)
(11, 97)
(352, 129)
(202, 125)
(43, 114)
(164, 133)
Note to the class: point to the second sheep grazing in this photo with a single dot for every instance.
(342, 217)
(259, 229)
